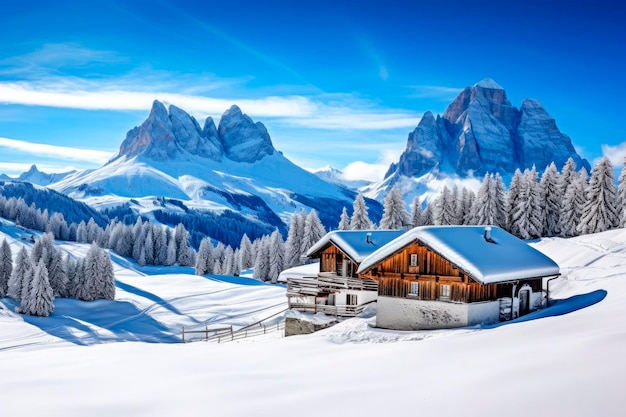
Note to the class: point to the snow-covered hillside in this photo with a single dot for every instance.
(564, 360)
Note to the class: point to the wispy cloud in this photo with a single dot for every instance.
(55, 58)
(434, 91)
(321, 112)
(59, 152)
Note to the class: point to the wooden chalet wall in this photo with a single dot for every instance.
(331, 258)
(395, 274)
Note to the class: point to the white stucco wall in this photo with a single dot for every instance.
(485, 313)
(410, 314)
(363, 297)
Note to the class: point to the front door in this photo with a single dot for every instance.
(524, 302)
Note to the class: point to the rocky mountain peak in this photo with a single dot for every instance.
(173, 134)
(481, 131)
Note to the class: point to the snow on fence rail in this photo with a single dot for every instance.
(227, 334)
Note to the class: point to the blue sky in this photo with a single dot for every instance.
(337, 83)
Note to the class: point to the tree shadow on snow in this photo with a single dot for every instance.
(100, 321)
(150, 296)
(558, 308)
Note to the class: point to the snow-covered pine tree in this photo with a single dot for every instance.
(294, 240)
(39, 299)
(573, 205)
(57, 274)
(527, 216)
(184, 253)
(6, 267)
(171, 252)
(395, 216)
(488, 208)
(23, 267)
(160, 249)
(457, 199)
(277, 256)
(81, 232)
(245, 252)
(568, 174)
(204, 260)
(512, 200)
(313, 231)
(416, 212)
(344, 221)
(70, 267)
(600, 210)
(107, 279)
(444, 208)
(621, 191)
(427, 214)
(360, 219)
(228, 267)
(262, 264)
(551, 200)
(149, 244)
(468, 201)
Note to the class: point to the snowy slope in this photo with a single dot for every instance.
(563, 360)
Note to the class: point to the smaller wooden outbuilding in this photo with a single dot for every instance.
(452, 276)
(337, 290)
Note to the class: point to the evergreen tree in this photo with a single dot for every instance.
(228, 267)
(489, 206)
(527, 214)
(344, 221)
(444, 208)
(6, 267)
(245, 252)
(568, 175)
(468, 201)
(204, 260)
(149, 245)
(600, 210)
(295, 235)
(573, 206)
(313, 232)
(427, 215)
(395, 215)
(276, 256)
(416, 212)
(551, 199)
(360, 219)
(57, 274)
(107, 279)
(262, 264)
(23, 267)
(513, 200)
(621, 191)
(39, 299)
(171, 253)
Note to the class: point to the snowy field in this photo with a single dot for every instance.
(566, 360)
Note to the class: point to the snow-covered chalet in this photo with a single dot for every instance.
(435, 277)
(337, 290)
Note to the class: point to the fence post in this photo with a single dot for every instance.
(206, 333)
(183, 334)
(232, 336)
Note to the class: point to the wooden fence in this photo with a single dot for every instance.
(227, 334)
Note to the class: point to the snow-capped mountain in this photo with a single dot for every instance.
(336, 176)
(34, 176)
(233, 166)
(480, 132)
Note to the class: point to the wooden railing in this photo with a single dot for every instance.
(340, 311)
(328, 283)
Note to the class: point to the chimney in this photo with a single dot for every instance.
(487, 235)
(367, 238)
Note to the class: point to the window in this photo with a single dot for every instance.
(351, 299)
(415, 289)
(413, 260)
(445, 292)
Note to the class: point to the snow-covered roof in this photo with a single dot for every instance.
(506, 259)
(354, 243)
